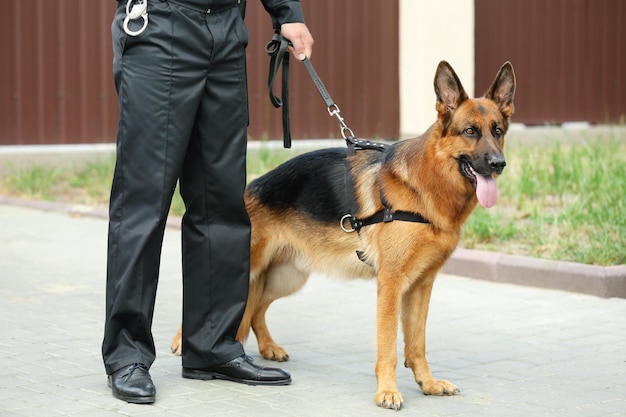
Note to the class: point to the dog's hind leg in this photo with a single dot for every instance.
(255, 295)
(281, 280)
(244, 327)
(414, 314)
(268, 348)
(177, 342)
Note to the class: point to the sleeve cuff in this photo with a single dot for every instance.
(284, 12)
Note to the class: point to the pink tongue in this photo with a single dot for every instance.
(486, 190)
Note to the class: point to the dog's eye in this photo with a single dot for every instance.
(470, 131)
(498, 131)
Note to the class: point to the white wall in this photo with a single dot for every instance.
(431, 31)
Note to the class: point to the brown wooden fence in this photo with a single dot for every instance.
(569, 57)
(55, 79)
(56, 83)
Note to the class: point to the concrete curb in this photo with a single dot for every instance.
(594, 280)
(600, 281)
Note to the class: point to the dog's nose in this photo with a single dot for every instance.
(497, 163)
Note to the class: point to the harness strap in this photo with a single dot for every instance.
(387, 214)
(355, 144)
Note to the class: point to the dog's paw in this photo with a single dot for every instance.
(434, 387)
(389, 399)
(273, 352)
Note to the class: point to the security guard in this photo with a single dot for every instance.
(180, 73)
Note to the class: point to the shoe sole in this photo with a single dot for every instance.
(133, 400)
(207, 376)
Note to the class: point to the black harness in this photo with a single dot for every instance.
(387, 214)
(277, 50)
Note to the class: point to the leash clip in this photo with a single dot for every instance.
(346, 132)
(136, 11)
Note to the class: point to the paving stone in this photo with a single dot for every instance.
(513, 350)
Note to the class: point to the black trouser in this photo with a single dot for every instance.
(183, 116)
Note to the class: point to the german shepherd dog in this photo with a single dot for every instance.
(297, 209)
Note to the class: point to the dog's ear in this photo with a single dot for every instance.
(502, 91)
(450, 92)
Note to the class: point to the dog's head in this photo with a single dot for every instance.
(475, 128)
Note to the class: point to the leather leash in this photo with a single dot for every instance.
(277, 50)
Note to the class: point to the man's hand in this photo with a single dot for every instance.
(300, 37)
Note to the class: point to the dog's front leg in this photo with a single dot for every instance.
(414, 314)
(387, 314)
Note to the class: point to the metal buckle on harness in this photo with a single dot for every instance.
(134, 12)
(342, 222)
(387, 214)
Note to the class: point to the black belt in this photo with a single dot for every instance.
(203, 7)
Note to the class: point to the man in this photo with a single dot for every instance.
(181, 84)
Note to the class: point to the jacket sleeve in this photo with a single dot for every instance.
(283, 11)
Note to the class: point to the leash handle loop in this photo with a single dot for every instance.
(277, 50)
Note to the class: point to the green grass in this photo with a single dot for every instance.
(92, 184)
(563, 202)
(557, 201)
(37, 182)
(94, 180)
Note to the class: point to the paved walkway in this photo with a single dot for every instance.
(513, 351)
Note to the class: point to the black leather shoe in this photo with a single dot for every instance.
(133, 384)
(241, 370)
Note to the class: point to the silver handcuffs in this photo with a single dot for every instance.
(136, 9)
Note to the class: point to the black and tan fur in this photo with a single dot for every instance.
(295, 212)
